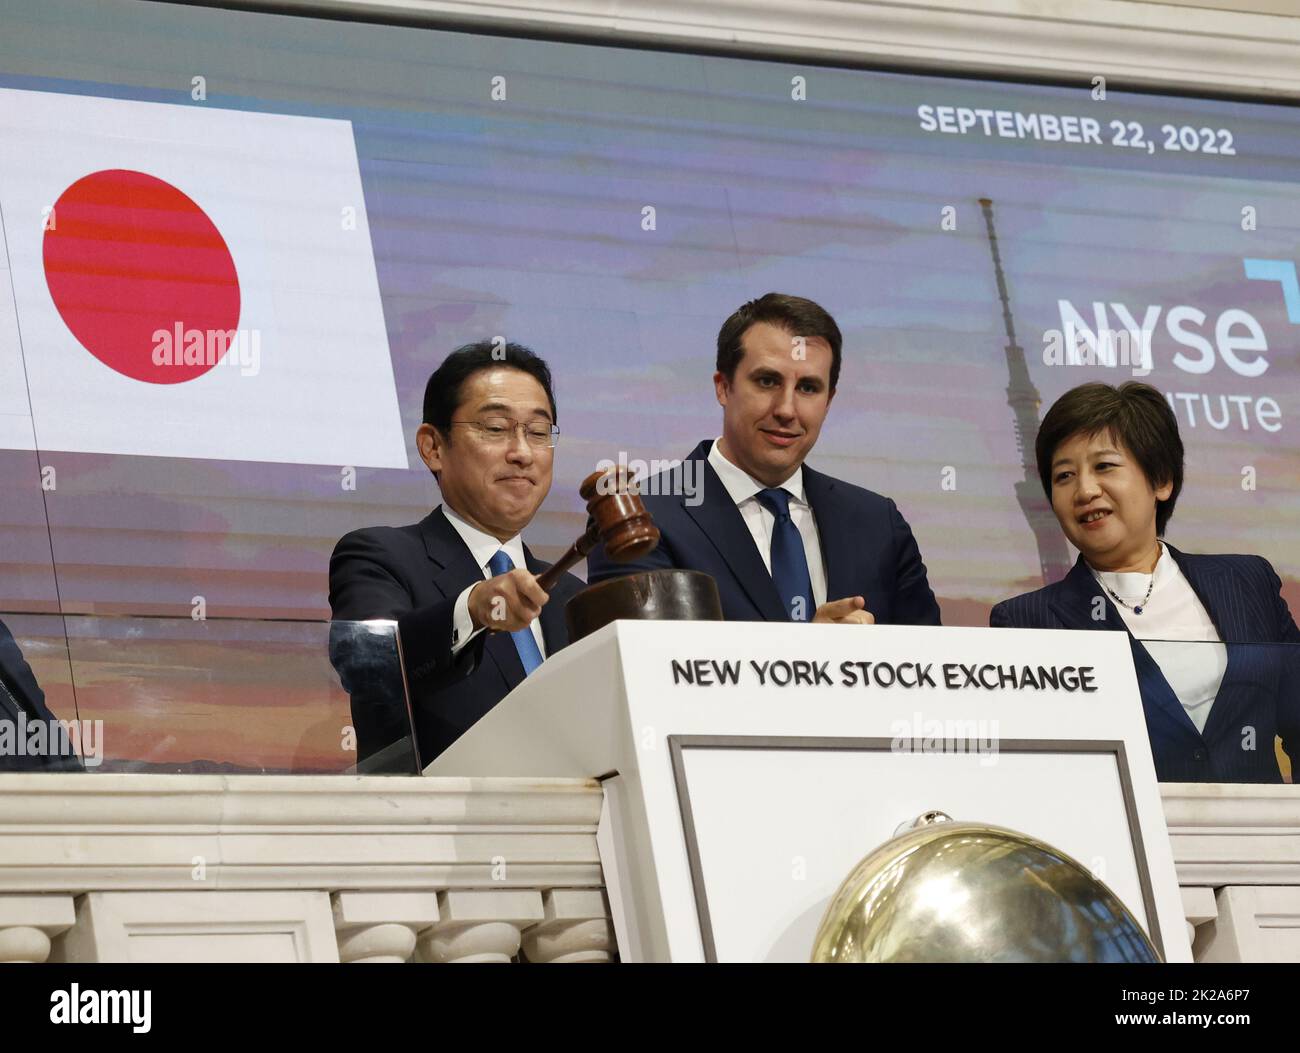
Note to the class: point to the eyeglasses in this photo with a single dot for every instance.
(496, 431)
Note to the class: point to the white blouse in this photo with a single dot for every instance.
(1171, 619)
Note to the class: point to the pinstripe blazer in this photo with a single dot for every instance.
(1260, 694)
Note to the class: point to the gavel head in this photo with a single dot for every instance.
(621, 520)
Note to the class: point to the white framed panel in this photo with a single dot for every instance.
(768, 854)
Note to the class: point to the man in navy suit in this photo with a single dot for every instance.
(782, 541)
(461, 584)
(22, 704)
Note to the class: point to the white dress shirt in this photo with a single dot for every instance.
(1170, 621)
(483, 547)
(743, 489)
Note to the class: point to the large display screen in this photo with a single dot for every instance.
(347, 203)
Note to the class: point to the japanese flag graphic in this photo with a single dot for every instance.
(185, 281)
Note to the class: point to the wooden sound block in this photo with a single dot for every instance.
(662, 595)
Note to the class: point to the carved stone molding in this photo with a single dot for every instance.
(1233, 834)
(102, 832)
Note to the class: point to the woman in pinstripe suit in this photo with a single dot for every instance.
(1216, 687)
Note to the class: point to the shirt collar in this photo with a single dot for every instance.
(741, 486)
(484, 546)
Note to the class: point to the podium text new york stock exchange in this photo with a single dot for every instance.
(937, 676)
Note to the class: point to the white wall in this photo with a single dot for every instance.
(1186, 45)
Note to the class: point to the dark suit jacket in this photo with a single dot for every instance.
(866, 544)
(21, 703)
(414, 574)
(1242, 595)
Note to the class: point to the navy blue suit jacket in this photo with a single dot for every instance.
(866, 544)
(1242, 595)
(23, 701)
(413, 574)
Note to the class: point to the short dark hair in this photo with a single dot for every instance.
(794, 314)
(1134, 413)
(442, 392)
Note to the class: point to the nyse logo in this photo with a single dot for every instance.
(1116, 335)
(1239, 340)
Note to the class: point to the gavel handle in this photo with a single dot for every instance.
(577, 551)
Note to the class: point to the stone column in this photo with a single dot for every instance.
(381, 926)
(576, 927)
(1198, 908)
(28, 923)
(479, 925)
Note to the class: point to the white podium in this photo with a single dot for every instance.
(748, 766)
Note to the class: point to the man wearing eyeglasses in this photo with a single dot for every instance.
(461, 584)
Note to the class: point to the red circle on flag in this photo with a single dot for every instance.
(141, 276)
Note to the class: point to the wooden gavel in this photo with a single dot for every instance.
(616, 516)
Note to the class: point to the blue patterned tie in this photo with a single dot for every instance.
(525, 643)
(789, 561)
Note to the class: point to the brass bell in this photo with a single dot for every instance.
(945, 891)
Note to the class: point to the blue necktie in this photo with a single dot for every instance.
(525, 643)
(789, 561)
